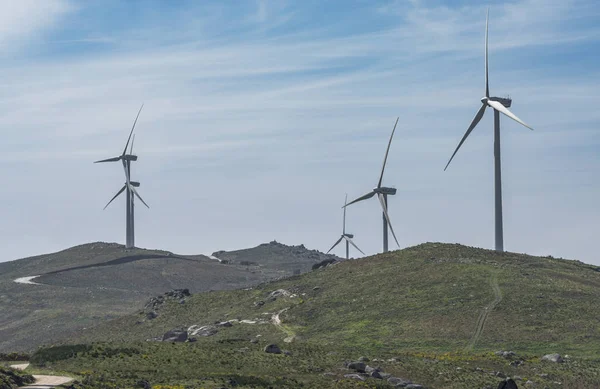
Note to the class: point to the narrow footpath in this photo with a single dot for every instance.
(486, 311)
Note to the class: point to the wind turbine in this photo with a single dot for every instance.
(382, 194)
(345, 236)
(129, 186)
(499, 105)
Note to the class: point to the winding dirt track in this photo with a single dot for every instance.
(43, 381)
(486, 311)
(276, 320)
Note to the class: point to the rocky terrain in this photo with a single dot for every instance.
(80, 287)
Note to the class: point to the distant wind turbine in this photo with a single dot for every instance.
(128, 187)
(345, 236)
(382, 194)
(498, 104)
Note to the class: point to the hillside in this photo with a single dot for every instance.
(85, 285)
(435, 313)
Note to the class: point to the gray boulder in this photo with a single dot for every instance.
(272, 349)
(177, 335)
(414, 386)
(196, 330)
(556, 358)
(357, 366)
(508, 384)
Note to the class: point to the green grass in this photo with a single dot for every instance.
(421, 304)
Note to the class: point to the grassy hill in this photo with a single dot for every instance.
(435, 314)
(85, 285)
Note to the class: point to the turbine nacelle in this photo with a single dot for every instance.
(129, 157)
(349, 235)
(386, 191)
(502, 100)
(134, 184)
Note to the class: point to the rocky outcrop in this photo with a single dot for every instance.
(197, 330)
(155, 302)
(324, 263)
(272, 349)
(176, 335)
(556, 358)
(363, 371)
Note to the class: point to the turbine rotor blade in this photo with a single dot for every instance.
(114, 159)
(499, 107)
(386, 154)
(127, 178)
(138, 195)
(361, 198)
(475, 121)
(355, 246)
(131, 148)
(487, 79)
(117, 195)
(387, 216)
(128, 139)
(344, 226)
(335, 244)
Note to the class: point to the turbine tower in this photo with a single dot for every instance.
(382, 194)
(345, 236)
(499, 105)
(129, 186)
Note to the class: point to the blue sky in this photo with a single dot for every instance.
(260, 115)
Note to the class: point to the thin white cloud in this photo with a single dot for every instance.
(23, 20)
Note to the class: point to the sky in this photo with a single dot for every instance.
(260, 115)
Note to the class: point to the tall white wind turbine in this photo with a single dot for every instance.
(499, 105)
(346, 236)
(382, 193)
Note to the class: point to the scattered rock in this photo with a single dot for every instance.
(143, 384)
(279, 293)
(414, 386)
(556, 358)
(507, 384)
(516, 363)
(324, 263)
(224, 324)
(316, 288)
(254, 341)
(363, 359)
(197, 330)
(151, 315)
(530, 383)
(376, 374)
(287, 352)
(506, 354)
(176, 335)
(175, 294)
(397, 381)
(272, 349)
(499, 374)
(354, 376)
(357, 366)
(259, 303)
